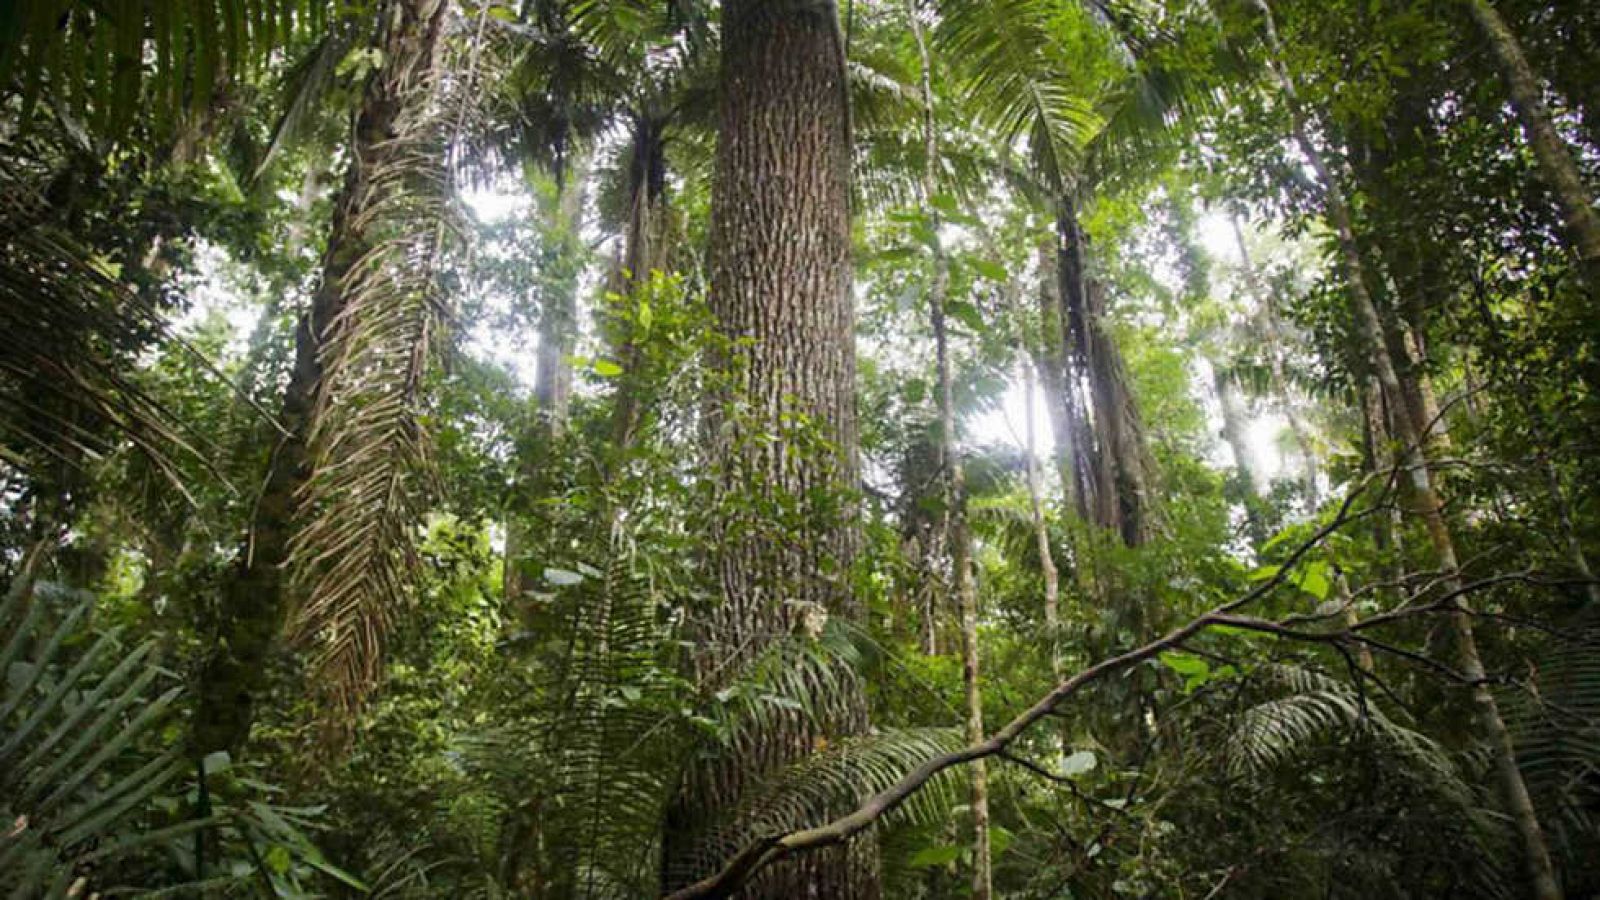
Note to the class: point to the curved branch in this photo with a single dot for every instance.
(771, 849)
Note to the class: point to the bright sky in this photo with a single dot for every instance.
(1004, 424)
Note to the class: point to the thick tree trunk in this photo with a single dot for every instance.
(780, 291)
(1491, 725)
(1557, 166)
(1062, 396)
(959, 538)
(253, 605)
(1112, 444)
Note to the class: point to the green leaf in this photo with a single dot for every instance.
(605, 368)
(988, 269)
(218, 761)
(1263, 573)
(562, 577)
(934, 857)
(1079, 763)
(965, 313)
(1313, 579)
(999, 839)
(1184, 663)
(278, 859)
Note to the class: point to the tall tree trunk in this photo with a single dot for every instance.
(1041, 537)
(1062, 397)
(959, 538)
(1429, 505)
(641, 253)
(1114, 441)
(1234, 422)
(780, 291)
(552, 372)
(1557, 166)
(253, 606)
(1272, 327)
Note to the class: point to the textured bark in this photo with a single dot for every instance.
(1061, 389)
(1110, 442)
(955, 484)
(780, 291)
(253, 606)
(1426, 501)
(1557, 166)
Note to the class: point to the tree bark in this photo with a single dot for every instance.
(1557, 166)
(1427, 502)
(780, 291)
(253, 596)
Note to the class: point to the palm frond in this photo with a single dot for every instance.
(353, 559)
(68, 330)
(71, 768)
(109, 60)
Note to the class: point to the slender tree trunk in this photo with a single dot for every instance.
(780, 291)
(1234, 422)
(959, 538)
(1041, 536)
(1557, 166)
(552, 384)
(1491, 724)
(1041, 531)
(1273, 328)
(641, 253)
(252, 598)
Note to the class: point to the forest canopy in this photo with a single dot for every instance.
(925, 449)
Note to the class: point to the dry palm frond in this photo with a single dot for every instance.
(353, 557)
(68, 328)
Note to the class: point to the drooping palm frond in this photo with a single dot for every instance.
(353, 558)
(1023, 81)
(109, 60)
(1313, 709)
(305, 89)
(68, 330)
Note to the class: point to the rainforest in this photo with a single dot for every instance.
(780, 449)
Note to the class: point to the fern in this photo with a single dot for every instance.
(72, 771)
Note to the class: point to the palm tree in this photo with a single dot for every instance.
(334, 504)
(1022, 78)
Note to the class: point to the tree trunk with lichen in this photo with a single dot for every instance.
(253, 608)
(784, 434)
